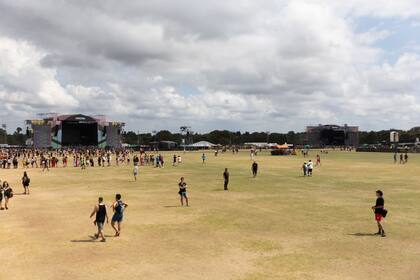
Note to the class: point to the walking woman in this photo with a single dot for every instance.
(25, 182)
(8, 193)
(183, 191)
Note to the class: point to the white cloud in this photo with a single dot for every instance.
(236, 64)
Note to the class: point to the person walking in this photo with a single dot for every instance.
(318, 160)
(310, 167)
(25, 182)
(226, 179)
(305, 169)
(254, 169)
(183, 191)
(118, 207)
(8, 194)
(379, 211)
(1, 196)
(100, 215)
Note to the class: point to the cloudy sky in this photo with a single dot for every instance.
(233, 64)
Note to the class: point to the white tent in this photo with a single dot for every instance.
(202, 144)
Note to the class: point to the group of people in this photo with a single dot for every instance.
(403, 158)
(101, 216)
(6, 191)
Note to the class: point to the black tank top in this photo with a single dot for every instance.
(100, 215)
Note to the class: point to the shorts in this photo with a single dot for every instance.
(100, 225)
(136, 170)
(183, 194)
(117, 217)
(378, 217)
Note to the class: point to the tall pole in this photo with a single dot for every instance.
(4, 126)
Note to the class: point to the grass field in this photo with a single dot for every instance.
(279, 225)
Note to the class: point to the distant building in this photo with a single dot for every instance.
(332, 135)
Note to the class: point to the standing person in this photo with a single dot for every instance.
(395, 157)
(254, 169)
(379, 211)
(401, 159)
(25, 183)
(135, 172)
(203, 158)
(183, 191)
(305, 169)
(8, 193)
(310, 167)
(136, 167)
(405, 157)
(318, 160)
(174, 160)
(44, 163)
(101, 214)
(118, 207)
(1, 196)
(226, 179)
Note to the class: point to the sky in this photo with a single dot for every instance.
(242, 65)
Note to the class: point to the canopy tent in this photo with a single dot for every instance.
(202, 144)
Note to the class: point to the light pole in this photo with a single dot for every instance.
(4, 126)
(185, 130)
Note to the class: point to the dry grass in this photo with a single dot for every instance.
(277, 226)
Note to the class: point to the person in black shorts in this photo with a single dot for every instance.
(254, 169)
(175, 160)
(25, 182)
(226, 179)
(118, 207)
(8, 194)
(101, 215)
(379, 211)
(183, 191)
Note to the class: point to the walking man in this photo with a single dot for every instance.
(226, 179)
(310, 167)
(254, 169)
(101, 215)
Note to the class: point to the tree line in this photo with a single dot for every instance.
(225, 137)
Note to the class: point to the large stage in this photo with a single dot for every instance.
(56, 131)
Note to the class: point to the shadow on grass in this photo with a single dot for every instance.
(362, 234)
(171, 206)
(92, 239)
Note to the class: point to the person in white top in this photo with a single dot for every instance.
(310, 167)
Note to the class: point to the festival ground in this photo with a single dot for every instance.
(279, 225)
